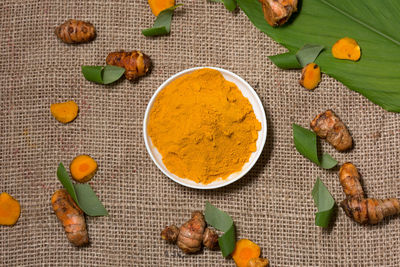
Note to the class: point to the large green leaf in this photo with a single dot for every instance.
(374, 24)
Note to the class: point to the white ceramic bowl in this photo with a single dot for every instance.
(248, 92)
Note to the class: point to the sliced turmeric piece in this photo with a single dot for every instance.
(310, 76)
(346, 48)
(83, 168)
(9, 209)
(71, 217)
(244, 251)
(258, 262)
(64, 112)
(159, 5)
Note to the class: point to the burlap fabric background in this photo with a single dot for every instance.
(272, 205)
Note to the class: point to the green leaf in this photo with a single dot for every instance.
(286, 61)
(112, 73)
(102, 75)
(220, 220)
(373, 24)
(308, 53)
(305, 142)
(93, 73)
(231, 5)
(162, 24)
(327, 162)
(88, 201)
(82, 194)
(324, 202)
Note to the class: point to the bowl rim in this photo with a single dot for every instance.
(258, 152)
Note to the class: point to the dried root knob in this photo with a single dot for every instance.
(9, 209)
(328, 125)
(191, 233)
(278, 12)
(346, 48)
(71, 217)
(310, 76)
(76, 31)
(370, 210)
(83, 168)
(64, 112)
(258, 262)
(210, 239)
(136, 63)
(159, 5)
(170, 234)
(244, 251)
(350, 180)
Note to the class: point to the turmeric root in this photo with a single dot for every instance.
(244, 251)
(258, 262)
(346, 48)
(356, 206)
(71, 217)
(75, 31)
(136, 63)
(328, 125)
(278, 12)
(64, 112)
(9, 209)
(159, 5)
(83, 168)
(310, 76)
(190, 236)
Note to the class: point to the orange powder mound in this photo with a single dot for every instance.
(203, 126)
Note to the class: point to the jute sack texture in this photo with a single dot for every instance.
(272, 205)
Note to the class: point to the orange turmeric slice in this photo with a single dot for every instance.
(9, 209)
(346, 48)
(244, 251)
(310, 76)
(159, 5)
(64, 112)
(83, 168)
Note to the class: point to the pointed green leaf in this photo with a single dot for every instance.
(112, 74)
(308, 53)
(162, 24)
(231, 5)
(93, 73)
(286, 61)
(324, 202)
(63, 177)
(305, 142)
(220, 220)
(373, 24)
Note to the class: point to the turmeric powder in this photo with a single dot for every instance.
(9, 209)
(203, 126)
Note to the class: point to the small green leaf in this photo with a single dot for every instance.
(308, 53)
(162, 24)
(102, 75)
(327, 162)
(82, 194)
(285, 61)
(306, 144)
(112, 73)
(223, 222)
(324, 202)
(88, 201)
(93, 73)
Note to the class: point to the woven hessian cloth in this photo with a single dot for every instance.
(272, 205)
